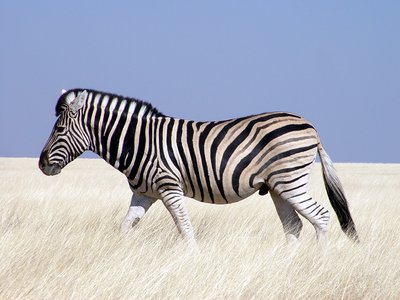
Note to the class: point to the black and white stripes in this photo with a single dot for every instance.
(215, 162)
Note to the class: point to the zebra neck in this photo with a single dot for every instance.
(113, 125)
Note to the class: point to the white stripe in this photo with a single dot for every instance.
(89, 101)
(135, 142)
(103, 104)
(141, 112)
(112, 107)
(119, 112)
(164, 147)
(95, 103)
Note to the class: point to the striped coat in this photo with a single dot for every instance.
(215, 162)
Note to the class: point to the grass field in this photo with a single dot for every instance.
(59, 238)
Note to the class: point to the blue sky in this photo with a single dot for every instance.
(335, 62)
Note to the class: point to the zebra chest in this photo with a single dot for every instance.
(145, 189)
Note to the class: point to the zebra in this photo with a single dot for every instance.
(217, 162)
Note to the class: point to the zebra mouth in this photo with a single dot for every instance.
(50, 170)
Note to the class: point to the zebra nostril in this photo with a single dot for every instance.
(43, 160)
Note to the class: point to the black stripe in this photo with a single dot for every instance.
(117, 132)
(315, 209)
(91, 111)
(315, 203)
(112, 150)
(168, 184)
(164, 177)
(292, 189)
(287, 170)
(140, 153)
(148, 159)
(297, 195)
(190, 134)
(182, 154)
(172, 203)
(153, 168)
(170, 149)
(103, 141)
(305, 200)
(202, 140)
(288, 153)
(129, 143)
(96, 129)
(289, 181)
(160, 140)
(319, 211)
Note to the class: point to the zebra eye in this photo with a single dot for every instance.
(61, 129)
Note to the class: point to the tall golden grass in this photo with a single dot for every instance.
(59, 238)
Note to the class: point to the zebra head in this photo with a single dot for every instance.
(68, 139)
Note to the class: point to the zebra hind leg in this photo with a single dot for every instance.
(306, 206)
(317, 214)
(139, 206)
(291, 222)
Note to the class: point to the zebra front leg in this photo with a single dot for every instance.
(175, 203)
(139, 206)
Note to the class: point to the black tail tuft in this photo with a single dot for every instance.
(336, 196)
(339, 204)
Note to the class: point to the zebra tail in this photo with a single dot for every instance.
(336, 195)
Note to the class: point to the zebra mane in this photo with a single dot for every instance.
(66, 97)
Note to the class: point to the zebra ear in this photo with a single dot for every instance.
(78, 102)
(63, 91)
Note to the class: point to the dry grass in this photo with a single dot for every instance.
(59, 238)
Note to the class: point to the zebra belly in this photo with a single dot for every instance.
(218, 198)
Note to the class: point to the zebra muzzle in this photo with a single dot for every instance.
(46, 167)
